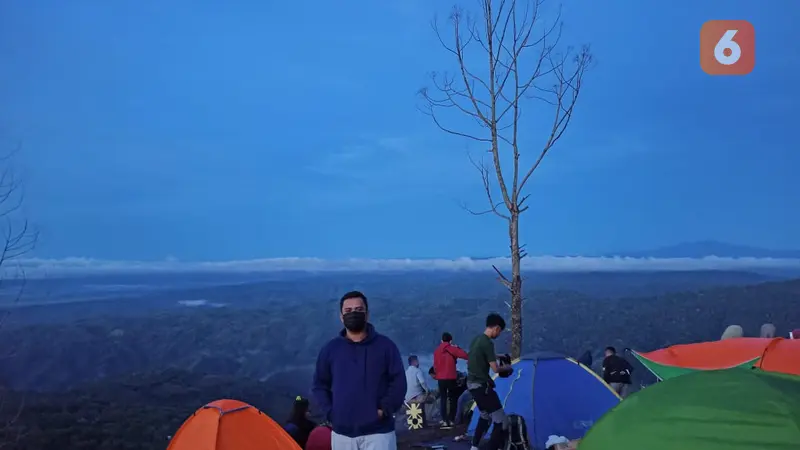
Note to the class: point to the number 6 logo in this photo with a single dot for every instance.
(734, 52)
(727, 47)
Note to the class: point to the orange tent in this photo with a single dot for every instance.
(781, 355)
(231, 425)
(774, 355)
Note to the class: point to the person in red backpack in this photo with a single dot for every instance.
(320, 438)
(444, 366)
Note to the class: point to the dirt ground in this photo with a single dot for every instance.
(417, 439)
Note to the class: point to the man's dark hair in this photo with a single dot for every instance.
(447, 337)
(611, 349)
(354, 294)
(412, 359)
(494, 320)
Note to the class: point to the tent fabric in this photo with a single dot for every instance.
(729, 409)
(555, 395)
(775, 355)
(231, 425)
(781, 355)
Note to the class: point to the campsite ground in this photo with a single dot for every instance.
(425, 437)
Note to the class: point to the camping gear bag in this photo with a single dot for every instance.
(504, 361)
(517, 437)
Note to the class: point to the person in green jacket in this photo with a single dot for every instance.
(482, 359)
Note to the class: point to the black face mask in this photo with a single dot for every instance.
(355, 321)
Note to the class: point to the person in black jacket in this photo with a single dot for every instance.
(617, 372)
(299, 426)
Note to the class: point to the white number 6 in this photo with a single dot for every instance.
(727, 43)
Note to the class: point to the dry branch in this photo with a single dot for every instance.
(19, 239)
(502, 278)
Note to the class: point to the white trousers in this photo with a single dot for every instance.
(383, 441)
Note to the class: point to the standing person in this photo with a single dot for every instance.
(617, 372)
(482, 359)
(299, 426)
(359, 381)
(444, 365)
(416, 386)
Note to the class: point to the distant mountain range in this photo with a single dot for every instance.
(700, 249)
(696, 249)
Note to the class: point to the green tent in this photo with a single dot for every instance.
(730, 409)
(666, 371)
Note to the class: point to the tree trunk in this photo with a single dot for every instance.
(516, 287)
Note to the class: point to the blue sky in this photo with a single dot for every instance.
(210, 130)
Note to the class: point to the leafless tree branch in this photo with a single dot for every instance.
(485, 173)
(19, 239)
(502, 278)
(508, 60)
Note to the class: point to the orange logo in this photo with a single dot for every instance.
(727, 47)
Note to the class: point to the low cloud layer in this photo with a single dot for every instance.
(200, 303)
(79, 266)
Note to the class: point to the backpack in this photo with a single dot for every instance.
(517, 437)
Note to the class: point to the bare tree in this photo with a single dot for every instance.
(517, 64)
(18, 239)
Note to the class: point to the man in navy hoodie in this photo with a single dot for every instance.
(359, 382)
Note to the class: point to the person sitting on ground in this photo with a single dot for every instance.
(416, 386)
(461, 384)
(445, 358)
(482, 359)
(462, 412)
(617, 372)
(299, 425)
(319, 439)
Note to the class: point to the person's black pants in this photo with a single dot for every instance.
(488, 404)
(448, 399)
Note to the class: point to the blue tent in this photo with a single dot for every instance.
(555, 394)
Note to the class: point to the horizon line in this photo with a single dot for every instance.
(43, 267)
